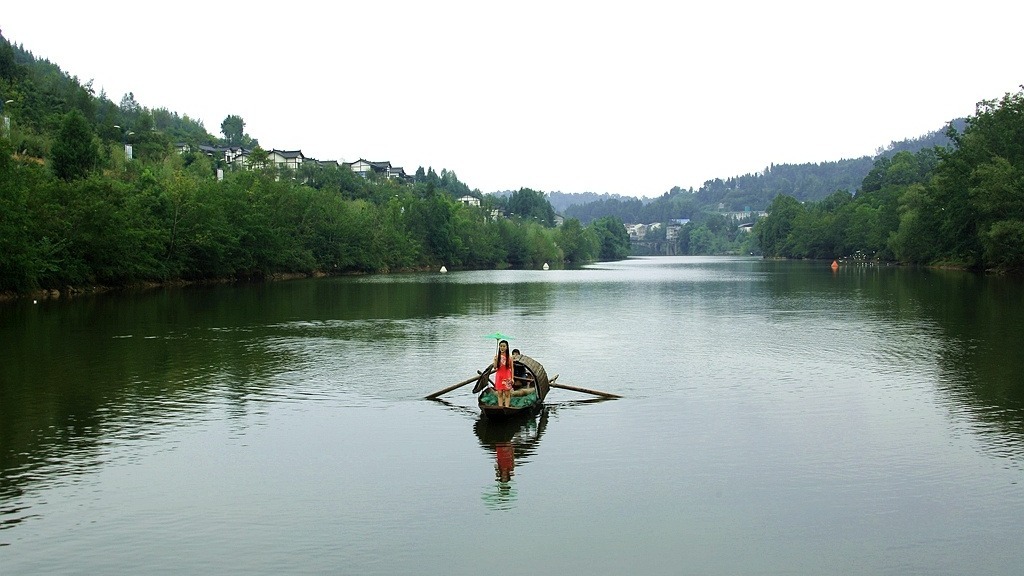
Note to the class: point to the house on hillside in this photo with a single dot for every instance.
(398, 173)
(365, 167)
(240, 158)
(241, 162)
(225, 153)
(290, 159)
(468, 200)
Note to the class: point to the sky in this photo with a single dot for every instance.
(629, 98)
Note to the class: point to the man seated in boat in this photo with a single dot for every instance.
(521, 378)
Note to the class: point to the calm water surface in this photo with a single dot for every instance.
(778, 418)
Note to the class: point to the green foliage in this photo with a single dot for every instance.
(433, 219)
(446, 182)
(233, 127)
(480, 245)
(613, 241)
(774, 231)
(9, 69)
(981, 182)
(914, 240)
(18, 254)
(962, 205)
(702, 241)
(163, 216)
(97, 219)
(625, 209)
(541, 246)
(1003, 241)
(531, 205)
(74, 153)
(578, 245)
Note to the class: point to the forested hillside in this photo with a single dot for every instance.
(959, 206)
(749, 192)
(77, 211)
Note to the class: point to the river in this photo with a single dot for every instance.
(776, 418)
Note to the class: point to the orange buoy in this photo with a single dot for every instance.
(835, 265)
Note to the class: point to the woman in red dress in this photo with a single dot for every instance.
(503, 375)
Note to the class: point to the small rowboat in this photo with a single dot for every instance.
(527, 398)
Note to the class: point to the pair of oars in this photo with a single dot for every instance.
(453, 387)
(550, 383)
(584, 390)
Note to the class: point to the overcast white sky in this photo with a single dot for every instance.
(628, 97)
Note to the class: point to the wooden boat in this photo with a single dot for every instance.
(528, 399)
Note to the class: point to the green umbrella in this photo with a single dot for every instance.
(498, 337)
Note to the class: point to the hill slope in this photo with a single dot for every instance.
(749, 192)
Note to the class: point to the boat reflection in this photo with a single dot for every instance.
(511, 442)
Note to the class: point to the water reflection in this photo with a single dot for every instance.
(967, 326)
(981, 320)
(790, 350)
(510, 441)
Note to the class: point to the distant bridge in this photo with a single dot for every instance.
(653, 247)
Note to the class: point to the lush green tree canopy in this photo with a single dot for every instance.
(74, 153)
(961, 206)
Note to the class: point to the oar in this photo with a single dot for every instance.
(450, 388)
(584, 390)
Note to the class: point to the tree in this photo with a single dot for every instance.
(233, 128)
(702, 240)
(613, 240)
(129, 106)
(578, 245)
(432, 218)
(9, 69)
(981, 183)
(773, 232)
(915, 241)
(997, 195)
(529, 205)
(74, 152)
(259, 160)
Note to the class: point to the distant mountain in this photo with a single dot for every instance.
(560, 201)
(806, 182)
(930, 140)
(750, 192)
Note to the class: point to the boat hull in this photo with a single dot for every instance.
(522, 404)
(493, 412)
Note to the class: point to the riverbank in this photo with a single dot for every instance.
(77, 291)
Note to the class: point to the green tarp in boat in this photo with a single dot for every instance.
(491, 399)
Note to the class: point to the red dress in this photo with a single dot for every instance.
(503, 375)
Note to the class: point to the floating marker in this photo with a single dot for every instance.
(443, 270)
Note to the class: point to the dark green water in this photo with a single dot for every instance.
(778, 418)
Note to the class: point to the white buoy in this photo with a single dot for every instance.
(443, 270)
(545, 266)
